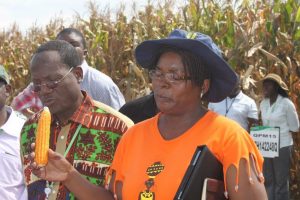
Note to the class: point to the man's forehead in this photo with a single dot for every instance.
(45, 58)
(71, 38)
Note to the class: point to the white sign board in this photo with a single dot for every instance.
(267, 140)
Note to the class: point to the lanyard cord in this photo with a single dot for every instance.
(72, 140)
(49, 186)
(228, 108)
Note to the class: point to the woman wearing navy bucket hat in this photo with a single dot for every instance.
(153, 156)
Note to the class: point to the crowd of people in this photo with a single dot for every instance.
(104, 148)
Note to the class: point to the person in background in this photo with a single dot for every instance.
(12, 185)
(27, 102)
(98, 85)
(140, 109)
(238, 107)
(84, 131)
(277, 110)
(153, 155)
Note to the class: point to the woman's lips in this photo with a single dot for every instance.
(162, 98)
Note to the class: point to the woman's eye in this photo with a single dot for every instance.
(176, 76)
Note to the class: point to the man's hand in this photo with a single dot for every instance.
(57, 168)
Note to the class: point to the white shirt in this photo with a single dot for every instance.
(239, 109)
(101, 87)
(281, 114)
(12, 185)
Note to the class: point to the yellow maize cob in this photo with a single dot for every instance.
(42, 138)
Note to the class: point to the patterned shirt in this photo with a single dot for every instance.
(97, 84)
(93, 149)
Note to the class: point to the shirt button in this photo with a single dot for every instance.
(62, 137)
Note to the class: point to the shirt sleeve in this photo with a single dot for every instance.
(116, 165)
(102, 88)
(252, 110)
(292, 117)
(116, 97)
(239, 145)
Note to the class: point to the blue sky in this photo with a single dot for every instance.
(29, 12)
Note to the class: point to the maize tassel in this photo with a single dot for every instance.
(42, 138)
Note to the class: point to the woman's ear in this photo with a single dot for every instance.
(205, 86)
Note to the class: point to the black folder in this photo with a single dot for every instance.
(203, 165)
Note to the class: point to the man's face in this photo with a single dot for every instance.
(46, 68)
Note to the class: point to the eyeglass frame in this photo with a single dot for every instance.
(55, 83)
(169, 76)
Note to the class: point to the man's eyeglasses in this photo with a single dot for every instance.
(50, 84)
(171, 77)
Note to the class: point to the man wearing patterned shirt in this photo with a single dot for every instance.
(83, 130)
(98, 85)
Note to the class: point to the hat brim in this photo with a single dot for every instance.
(222, 78)
(281, 84)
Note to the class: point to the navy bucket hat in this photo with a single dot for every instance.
(222, 78)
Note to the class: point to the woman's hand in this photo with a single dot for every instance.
(57, 168)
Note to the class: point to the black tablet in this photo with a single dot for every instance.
(203, 165)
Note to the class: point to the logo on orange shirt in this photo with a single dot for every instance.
(152, 172)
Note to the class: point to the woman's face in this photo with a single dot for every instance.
(173, 95)
(269, 88)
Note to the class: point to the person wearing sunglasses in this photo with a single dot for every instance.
(82, 130)
(153, 155)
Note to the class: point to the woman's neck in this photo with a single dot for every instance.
(273, 98)
(172, 126)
